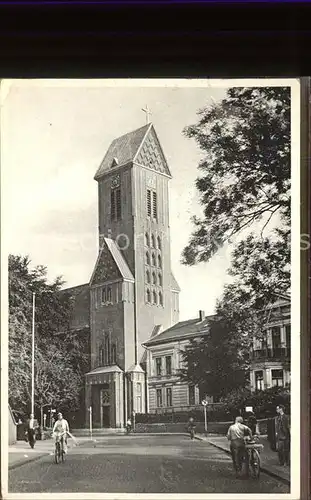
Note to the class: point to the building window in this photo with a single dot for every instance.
(159, 261)
(288, 336)
(148, 276)
(155, 297)
(169, 398)
(159, 397)
(160, 279)
(158, 366)
(191, 391)
(259, 385)
(147, 242)
(104, 295)
(276, 337)
(154, 206)
(148, 296)
(160, 298)
(148, 202)
(139, 405)
(147, 258)
(168, 365)
(101, 356)
(159, 243)
(154, 278)
(154, 262)
(277, 378)
(109, 294)
(115, 201)
(113, 354)
(153, 242)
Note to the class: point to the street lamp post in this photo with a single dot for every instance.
(33, 355)
(204, 403)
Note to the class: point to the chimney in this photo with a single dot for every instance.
(201, 316)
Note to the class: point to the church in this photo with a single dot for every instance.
(132, 291)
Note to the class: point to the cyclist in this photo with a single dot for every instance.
(236, 435)
(191, 427)
(61, 427)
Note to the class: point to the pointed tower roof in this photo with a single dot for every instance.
(134, 147)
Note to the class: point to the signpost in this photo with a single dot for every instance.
(91, 430)
(204, 403)
(133, 413)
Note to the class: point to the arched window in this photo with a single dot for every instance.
(160, 279)
(154, 262)
(106, 350)
(113, 354)
(154, 278)
(104, 295)
(155, 298)
(147, 258)
(153, 241)
(109, 294)
(159, 243)
(147, 241)
(148, 296)
(159, 261)
(160, 298)
(148, 276)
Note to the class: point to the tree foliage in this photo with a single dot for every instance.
(59, 358)
(245, 188)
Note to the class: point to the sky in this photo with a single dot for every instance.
(54, 137)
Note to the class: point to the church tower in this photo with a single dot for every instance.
(133, 290)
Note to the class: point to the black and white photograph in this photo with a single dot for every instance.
(150, 266)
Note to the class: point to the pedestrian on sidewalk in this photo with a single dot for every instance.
(236, 434)
(31, 427)
(282, 432)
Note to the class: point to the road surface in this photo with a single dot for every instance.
(139, 464)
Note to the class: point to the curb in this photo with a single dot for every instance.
(27, 461)
(263, 469)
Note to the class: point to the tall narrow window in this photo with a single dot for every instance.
(109, 294)
(104, 295)
(147, 258)
(155, 297)
(147, 243)
(154, 261)
(277, 378)
(139, 406)
(148, 276)
(115, 202)
(159, 261)
(113, 354)
(101, 356)
(276, 337)
(148, 202)
(154, 278)
(154, 206)
(159, 243)
(259, 383)
(148, 296)
(158, 366)
(153, 241)
(169, 396)
(160, 298)
(168, 365)
(288, 336)
(159, 397)
(106, 350)
(160, 279)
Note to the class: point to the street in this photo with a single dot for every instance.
(139, 464)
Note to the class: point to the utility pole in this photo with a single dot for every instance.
(33, 355)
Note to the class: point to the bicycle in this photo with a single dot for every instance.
(253, 449)
(59, 453)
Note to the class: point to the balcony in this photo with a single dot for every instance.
(276, 353)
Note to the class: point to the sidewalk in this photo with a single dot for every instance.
(269, 458)
(20, 453)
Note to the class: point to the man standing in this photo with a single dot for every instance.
(31, 430)
(236, 435)
(282, 432)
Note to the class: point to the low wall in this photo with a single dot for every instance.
(212, 427)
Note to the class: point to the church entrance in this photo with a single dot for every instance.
(105, 407)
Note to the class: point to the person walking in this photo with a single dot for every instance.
(282, 433)
(31, 427)
(236, 434)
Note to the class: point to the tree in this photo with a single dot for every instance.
(245, 190)
(58, 369)
(216, 362)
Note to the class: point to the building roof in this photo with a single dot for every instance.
(105, 369)
(174, 284)
(119, 260)
(110, 264)
(123, 148)
(183, 329)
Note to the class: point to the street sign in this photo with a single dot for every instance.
(204, 402)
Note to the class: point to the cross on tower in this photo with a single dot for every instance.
(148, 112)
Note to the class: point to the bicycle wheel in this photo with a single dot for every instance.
(255, 464)
(63, 452)
(57, 453)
